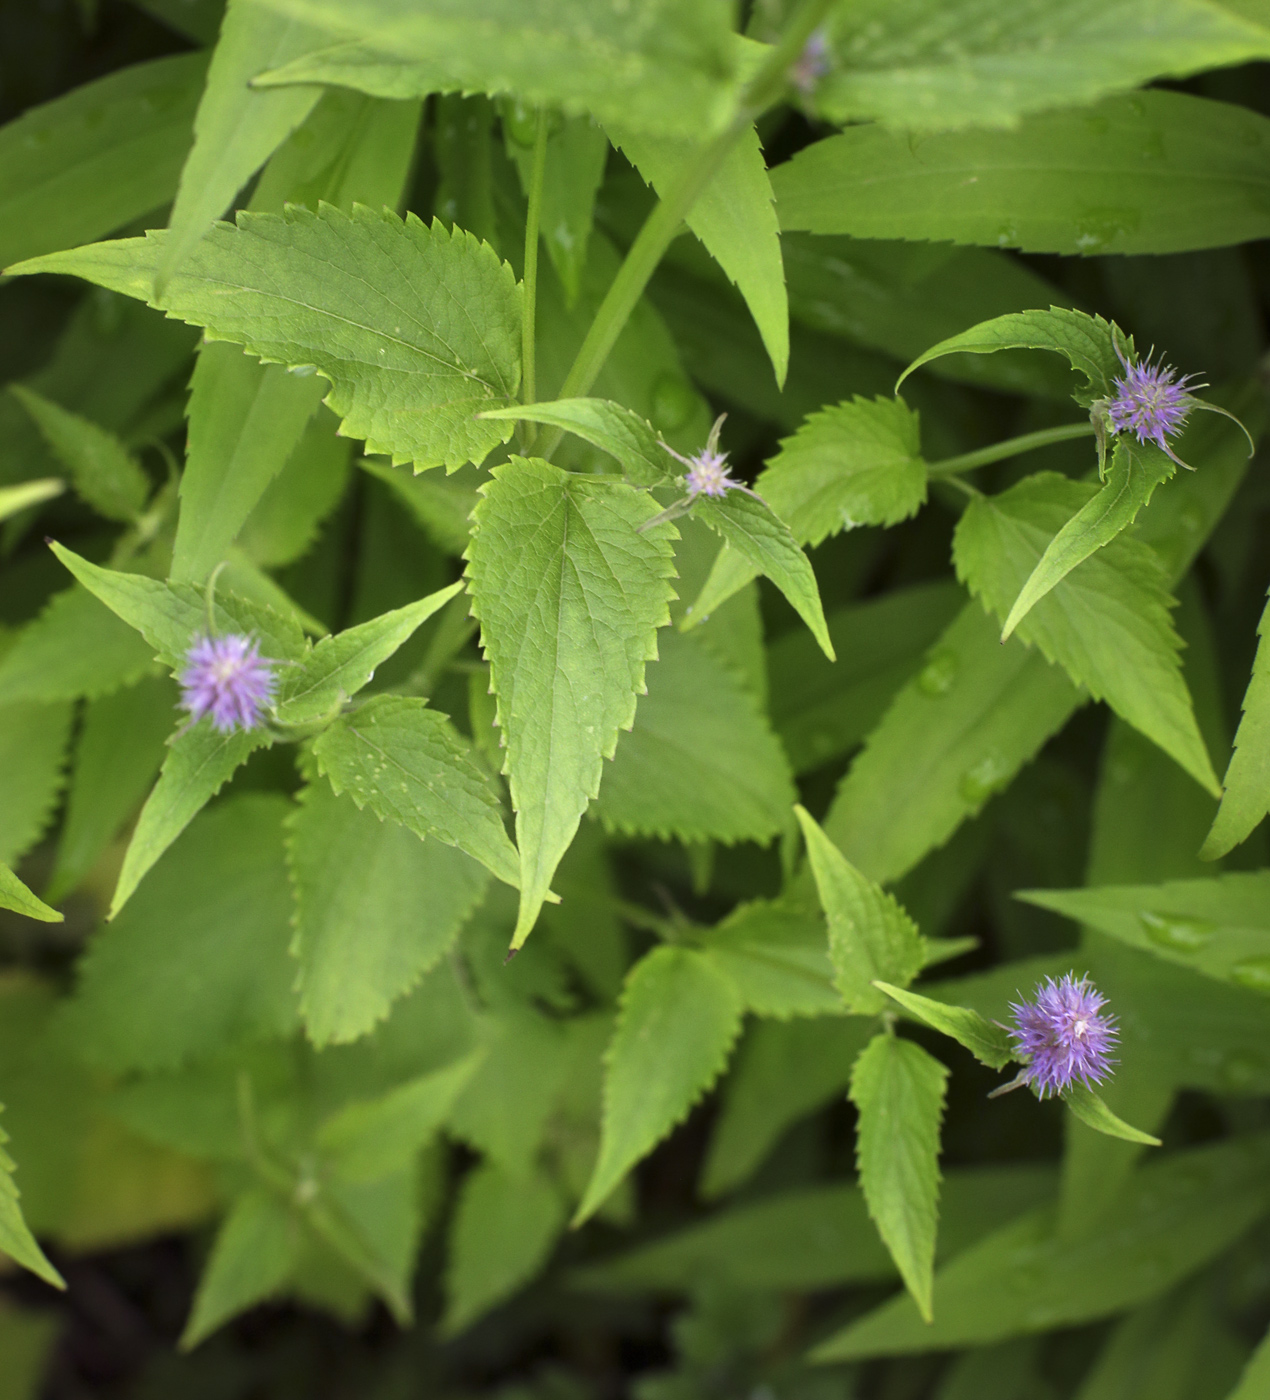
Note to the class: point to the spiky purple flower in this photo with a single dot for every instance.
(708, 475)
(227, 678)
(812, 64)
(1063, 1035)
(1151, 401)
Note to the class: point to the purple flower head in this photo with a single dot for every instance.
(1151, 401)
(227, 678)
(708, 474)
(1063, 1035)
(812, 64)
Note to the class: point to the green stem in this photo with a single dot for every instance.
(767, 86)
(1011, 447)
(528, 381)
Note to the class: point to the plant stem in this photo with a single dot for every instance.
(528, 382)
(1011, 447)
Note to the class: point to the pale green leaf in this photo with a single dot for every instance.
(569, 595)
(1246, 786)
(733, 217)
(678, 1020)
(199, 959)
(97, 157)
(898, 1090)
(1094, 1113)
(15, 895)
(409, 765)
(631, 440)
(870, 935)
(441, 505)
(1151, 172)
(932, 65)
(504, 1229)
(338, 667)
(375, 908)
(102, 470)
(16, 1239)
(245, 419)
(656, 65)
(1107, 624)
(701, 762)
(255, 1251)
(15, 499)
(988, 1043)
(776, 954)
(237, 127)
(33, 741)
(378, 306)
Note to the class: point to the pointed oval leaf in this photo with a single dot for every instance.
(989, 1044)
(619, 431)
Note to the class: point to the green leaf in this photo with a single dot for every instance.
(783, 1072)
(255, 1251)
(569, 596)
(122, 743)
(619, 431)
(15, 895)
(1107, 624)
(375, 908)
(1256, 1375)
(374, 1138)
(900, 69)
(988, 1043)
(758, 537)
(1246, 786)
(655, 65)
(870, 936)
(775, 952)
(678, 1021)
(1151, 172)
(338, 667)
(104, 473)
(97, 157)
(16, 1239)
(955, 734)
(237, 127)
(441, 505)
(701, 762)
(733, 217)
(199, 959)
(898, 1090)
(33, 740)
(15, 499)
(1175, 1215)
(376, 305)
(245, 419)
(1091, 1111)
(504, 1229)
(434, 787)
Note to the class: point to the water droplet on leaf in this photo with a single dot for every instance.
(939, 675)
(1253, 974)
(1178, 935)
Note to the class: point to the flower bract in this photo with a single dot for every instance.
(1063, 1035)
(226, 678)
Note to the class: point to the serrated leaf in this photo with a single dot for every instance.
(631, 440)
(570, 596)
(701, 762)
(1246, 786)
(901, 70)
(764, 542)
(1149, 172)
(775, 952)
(989, 1044)
(870, 935)
(16, 1239)
(97, 157)
(441, 505)
(409, 765)
(104, 473)
(898, 1090)
(678, 1020)
(255, 1250)
(15, 895)
(33, 742)
(656, 65)
(733, 217)
(375, 908)
(245, 419)
(1093, 1113)
(339, 666)
(378, 306)
(1107, 624)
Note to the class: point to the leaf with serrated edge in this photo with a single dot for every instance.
(870, 936)
(379, 306)
(1093, 1113)
(15, 895)
(619, 431)
(569, 595)
(16, 1239)
(1246, 787)
(898, 1090)
(678, 1020)
(409, 765)
(989, 1044)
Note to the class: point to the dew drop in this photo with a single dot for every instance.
(939, 675)
(987, 776)
(1253, 974)
(1240, 1070)
(1178, 935)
